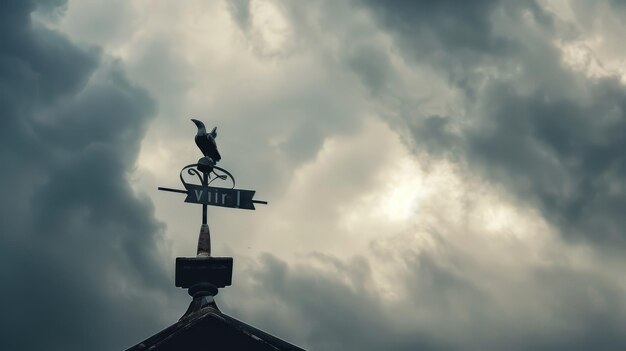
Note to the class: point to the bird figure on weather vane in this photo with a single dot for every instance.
(206, 141)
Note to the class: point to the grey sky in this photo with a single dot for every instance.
(441, 175)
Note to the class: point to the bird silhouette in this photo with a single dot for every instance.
(206, 141)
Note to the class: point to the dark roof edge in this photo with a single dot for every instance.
(210, 312)
(258, 333)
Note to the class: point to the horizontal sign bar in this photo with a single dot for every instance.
(221, 197)
(173, 190)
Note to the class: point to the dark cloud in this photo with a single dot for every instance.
(443, 25)
(564, 153)
(453, 300)
(454, 35)
(331, 311)
(240, 11)
(551, 135)
(371, 64)
(78, 247)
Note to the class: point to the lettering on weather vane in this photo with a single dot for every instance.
(204, 274)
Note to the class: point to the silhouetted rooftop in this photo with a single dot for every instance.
(207, 328)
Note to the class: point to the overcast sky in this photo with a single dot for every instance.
(441, 175)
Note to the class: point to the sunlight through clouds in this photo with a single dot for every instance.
(404, 191)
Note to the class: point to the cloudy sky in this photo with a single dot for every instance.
(441, 175)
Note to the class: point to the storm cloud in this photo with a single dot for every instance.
(527, 122)
(441, 175)
(75, 238)
(552, 135)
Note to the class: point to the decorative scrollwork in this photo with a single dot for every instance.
(193, 170)
(223, 176)
(190, 170)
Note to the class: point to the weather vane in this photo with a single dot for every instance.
(204, 274)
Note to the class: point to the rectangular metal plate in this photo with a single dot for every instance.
(222, 197)
(215, 270)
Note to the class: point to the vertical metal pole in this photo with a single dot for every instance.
(204, 239)
(205, 182)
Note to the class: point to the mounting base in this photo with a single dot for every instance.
(216, 271)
